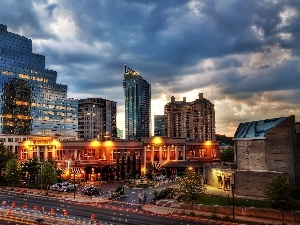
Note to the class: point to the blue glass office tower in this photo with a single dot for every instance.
(31, 100)
(137, 105)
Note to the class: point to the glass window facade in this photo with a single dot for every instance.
(31, 101)
(137, 105)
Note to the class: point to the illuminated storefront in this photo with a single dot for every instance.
(95, 160)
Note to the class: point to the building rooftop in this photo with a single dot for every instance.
(256, 129)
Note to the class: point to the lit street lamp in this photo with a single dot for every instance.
(41, 177)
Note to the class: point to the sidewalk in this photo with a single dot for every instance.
(165, 210)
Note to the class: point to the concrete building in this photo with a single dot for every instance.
(97, 119)
(137, 105)
(263, 149)
(159, 125)
(32, 102)
(192, 120)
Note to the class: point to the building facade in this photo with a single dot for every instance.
(264, 149)
(96, 159)
(159, 125)
(137, 105)
(97, 119)
(31, 100)
(192, 120)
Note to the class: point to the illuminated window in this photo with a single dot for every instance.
(164, 155)
(148, 155)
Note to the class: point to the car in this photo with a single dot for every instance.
(66, 187)
(174, 178)
(56, 187)
(91, 190)
(159, 177)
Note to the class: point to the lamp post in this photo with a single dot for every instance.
(232, 191)
(69, 170)
(74, 183)
(41, 177)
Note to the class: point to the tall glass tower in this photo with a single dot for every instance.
(31, 101)
(137, 105)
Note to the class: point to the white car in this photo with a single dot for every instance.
(66, 187)
(160, 178)
(56, 187)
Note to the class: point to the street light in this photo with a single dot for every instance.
(232, 191)
(74, 183)
(69, 170)
(41, 177)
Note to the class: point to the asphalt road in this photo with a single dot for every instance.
(111, 215)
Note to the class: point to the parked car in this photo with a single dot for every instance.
(174, 178)
(160, 177)
(91, 190)
(66, 187)
(56, 187)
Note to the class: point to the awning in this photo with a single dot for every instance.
(182, 164)
(75, 170)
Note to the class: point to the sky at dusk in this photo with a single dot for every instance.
(244, 56)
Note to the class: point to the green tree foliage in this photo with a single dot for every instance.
(133, 164)
(227, 155)
(128, 166)
(280, 193)
(30, 170)
(5, 156)
(47, 174)
(224, 139)
(191, 186)
(123, 168)
(139, 167)
(12, 172)
(118, 169)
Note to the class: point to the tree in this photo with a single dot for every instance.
(227, 155)
(47, 174)
(12, 172)
(30, 170)
(128, 166)
(224, 139)
(133, 166)
(191, 187)
(280, 193)
(139, 166)
(118, 169)
(123, 168)
(5, 156)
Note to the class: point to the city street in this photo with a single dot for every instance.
(104, 213)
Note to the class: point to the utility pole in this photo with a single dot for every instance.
(232, 191)
(74, 183)
(41, 178)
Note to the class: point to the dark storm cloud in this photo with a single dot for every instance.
(21, 18)
(170, 43)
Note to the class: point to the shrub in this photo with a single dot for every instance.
(214, 216)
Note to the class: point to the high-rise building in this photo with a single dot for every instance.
(137, 105)
(159, 125)
(31, 100)
(97, 119)
(192, 120)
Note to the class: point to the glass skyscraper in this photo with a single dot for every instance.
(31, 101)
(137, 105)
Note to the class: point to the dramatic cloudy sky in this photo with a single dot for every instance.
(243, 55)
